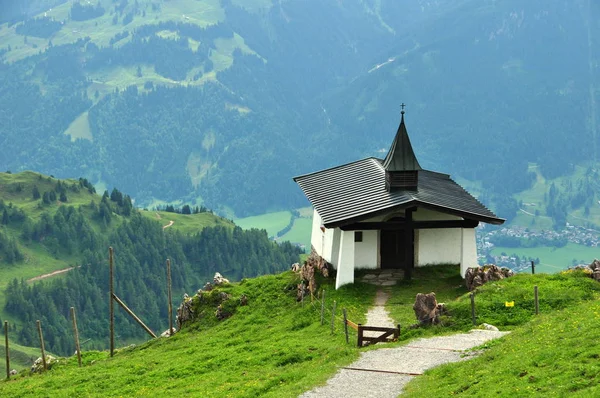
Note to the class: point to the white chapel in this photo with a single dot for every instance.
(390, 213)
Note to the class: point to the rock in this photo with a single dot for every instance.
(369, 277)
(168, 333)
(388, 283)
(13, 372)
(302, 290)
(427, 310)
(296, 267)
(596, 275)
(185, 312)
(221, 314)
(319, 263)
(308, 284)
(219, 280)
(207, 287)
(477, 276)
(38, 365)
(487, 326)
(243, 300)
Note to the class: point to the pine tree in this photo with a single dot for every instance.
(36, 193)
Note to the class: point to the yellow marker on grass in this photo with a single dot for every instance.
(509, 303)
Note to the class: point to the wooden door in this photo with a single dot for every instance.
(393, 249)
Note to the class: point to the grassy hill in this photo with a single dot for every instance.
(16, 189)
(276, 347)
(16, 192)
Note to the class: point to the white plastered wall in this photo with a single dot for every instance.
(366, 253)
(345, 263)
(469, 250)
(444, 246)
(437, 246)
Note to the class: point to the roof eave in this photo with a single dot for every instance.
(416, 203)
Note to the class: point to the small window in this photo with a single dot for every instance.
(358, 236)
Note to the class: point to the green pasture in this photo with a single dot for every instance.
(553, 259)
(300, 233)
(272, 222)
(186, 223)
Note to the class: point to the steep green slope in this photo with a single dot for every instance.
(277, 347)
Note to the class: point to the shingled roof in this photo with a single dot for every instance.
(357, 191)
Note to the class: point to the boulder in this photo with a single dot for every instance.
(38, 365)
(477, 276)
(207, 287)
(168, 333)
(13, 372)
(487, 326)
(427, 309)
(243, 300)
(302, 290)
(185, 312)
(319, 263)
(219, 280)
(296, 267)
(221, 313)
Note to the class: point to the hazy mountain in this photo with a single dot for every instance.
(225, 101)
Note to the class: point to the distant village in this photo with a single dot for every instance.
(520, 237)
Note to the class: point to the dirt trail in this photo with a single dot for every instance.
(384, 372)
(169, 224)
(44, 276)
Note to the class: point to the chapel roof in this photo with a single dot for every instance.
(356, 191)
(401, 156)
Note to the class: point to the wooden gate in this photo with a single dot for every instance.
(387, 334)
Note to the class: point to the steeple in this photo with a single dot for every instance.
(401, 165)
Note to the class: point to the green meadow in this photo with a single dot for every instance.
(271, 222)
(553, 259)
(276, 347)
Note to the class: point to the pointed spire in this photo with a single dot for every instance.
(401, 156)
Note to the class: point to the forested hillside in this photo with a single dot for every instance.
(221, 102)
(45, 220)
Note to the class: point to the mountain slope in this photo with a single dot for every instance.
(48, 224)
(221, 102)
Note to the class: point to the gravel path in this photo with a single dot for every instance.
(384, 372)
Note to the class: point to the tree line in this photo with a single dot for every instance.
(141, 247)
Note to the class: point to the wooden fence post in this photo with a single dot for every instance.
(323, 307)
(333, 316)
(532, 267)
(112, 304)
(39, 328)
(6, 349)
(537, 302)
(133, 315)
(359, 339)
(170, 298)
(346, 325)
(473, 308)
(76, 334)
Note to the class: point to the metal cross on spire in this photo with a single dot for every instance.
(402, 105)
